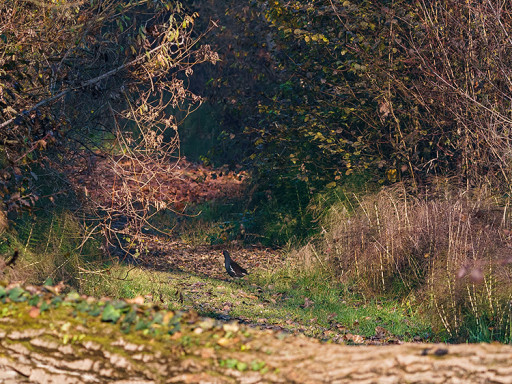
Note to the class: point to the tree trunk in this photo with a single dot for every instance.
(62, 343)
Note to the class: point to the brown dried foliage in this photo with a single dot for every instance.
(450, 249)
(463, 59)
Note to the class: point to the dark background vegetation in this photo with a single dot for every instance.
(376, 132)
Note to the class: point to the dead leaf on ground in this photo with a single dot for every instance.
(381, 332)
(34, 312)
(307, 303)
(247, 295)
(358, 339)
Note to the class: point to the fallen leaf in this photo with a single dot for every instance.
(167, 317)
(307, 303)
(231, 327)
(34, 312)
(358, 339)
(225, 342)
(249, 296)
(381, 332)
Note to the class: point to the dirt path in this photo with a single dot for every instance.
(181, 185)
(195, 275)
(207, 260)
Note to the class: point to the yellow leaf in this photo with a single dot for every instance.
(391, 174)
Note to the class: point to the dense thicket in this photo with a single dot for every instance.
(316, 91)
(311, 93)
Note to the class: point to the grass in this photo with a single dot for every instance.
(274, 299)
(433, 268)
(50, 247)
(335, 302)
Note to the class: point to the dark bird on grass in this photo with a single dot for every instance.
(232, 268)
(13, 260)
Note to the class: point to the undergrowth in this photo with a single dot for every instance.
(435, 266)
(50, 246)
(213, 222)
(447, 248)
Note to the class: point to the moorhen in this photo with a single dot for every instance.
(232, 268)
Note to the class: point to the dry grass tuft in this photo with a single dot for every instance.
(451, 249)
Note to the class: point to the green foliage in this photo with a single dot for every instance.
(341, 109)
(308, 118)
(110, 313)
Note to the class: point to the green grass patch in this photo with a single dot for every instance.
(307, 303)
(315, 297)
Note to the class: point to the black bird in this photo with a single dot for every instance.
(11, 262)
(232, 268)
